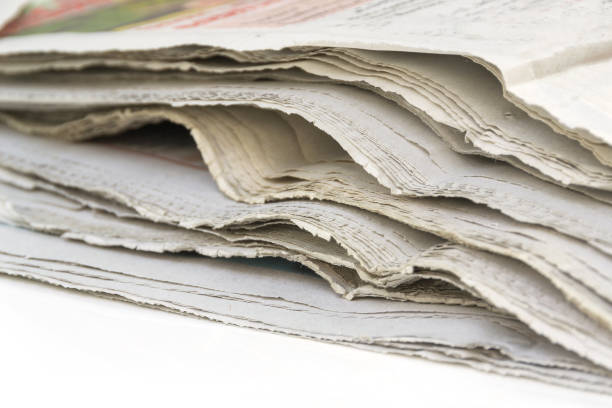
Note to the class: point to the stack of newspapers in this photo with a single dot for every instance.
(424, 178)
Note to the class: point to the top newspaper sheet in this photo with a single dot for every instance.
(552, 57)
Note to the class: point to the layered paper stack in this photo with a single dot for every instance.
(411, 177)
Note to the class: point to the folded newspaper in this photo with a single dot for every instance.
(411, 177)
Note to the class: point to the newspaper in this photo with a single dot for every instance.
(379, 141)
(281, 298)
(524, 197)
(421, 178)
(417, 253)
(541, 62)
(445, 92)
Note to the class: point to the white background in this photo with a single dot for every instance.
(61, 348)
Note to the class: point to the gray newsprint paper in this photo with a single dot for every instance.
(410, 177)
